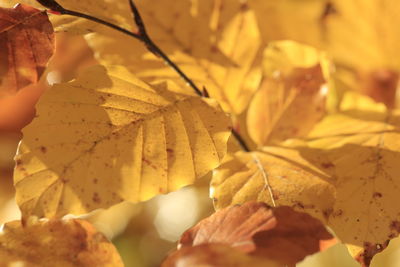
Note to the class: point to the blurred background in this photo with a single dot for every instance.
(143, 233)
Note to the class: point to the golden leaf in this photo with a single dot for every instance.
(344, 171)
(284, 178)
(108, 137)
(215, 42)
(68, 243)
(301, 21)
(364, 48)
(292, 97)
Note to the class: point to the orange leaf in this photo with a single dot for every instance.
(56, 243)
(261, 231)
(26, 45)
(215, 255)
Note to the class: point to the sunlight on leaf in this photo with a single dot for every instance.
(355, 152)
(108, 137)
(292, 97)
(204, 38)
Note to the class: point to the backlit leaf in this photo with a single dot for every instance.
(26, 45)
(293, 180)
(292, 97)
(108, 137)
(356, 152)
(301, 21)
(214, 255)
(215, 42)
(72, 243)
(278, 234)
(363, 47)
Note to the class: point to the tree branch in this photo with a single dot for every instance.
(144, 38)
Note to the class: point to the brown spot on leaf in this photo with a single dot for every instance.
(395, 226)
(96, 198)
(327, 213)
(43, 149)
(337, 213)
(327, 165)
(377, 195)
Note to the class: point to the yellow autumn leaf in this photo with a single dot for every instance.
(292, 97)
(276, 176)
(108, 137)
(70, 243)
(361, 37)
(348, 164)
(301, 21)
(216, 43)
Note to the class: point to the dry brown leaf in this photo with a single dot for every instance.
(215, 255)
(26, 45)
(71, 243)
(258, 230)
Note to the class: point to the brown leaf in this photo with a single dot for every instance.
(215, 255)
(72, 243)
(259, 230)
(26, 45)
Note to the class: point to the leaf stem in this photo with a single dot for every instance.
(100, 21)
(145, 39)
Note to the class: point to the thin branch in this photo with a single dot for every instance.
(100, 21)
(156, 50)
(144, 38)
(240, 141)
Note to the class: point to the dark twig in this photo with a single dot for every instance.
(144, 38)
(156, 50)
(240, 140)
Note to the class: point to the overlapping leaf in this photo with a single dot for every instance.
(355, 152)
(56, 243)
(109, 137)
(215, 42)
(26, 45)
(215, 255)
(279, 235)
(293, 95)
(363, 47)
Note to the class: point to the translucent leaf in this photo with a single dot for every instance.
(108, 137)
(355, 152)
(364, 48)
(56, 243)
(292, 97)
(26, 45)
(293, 181)
(204, 38)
